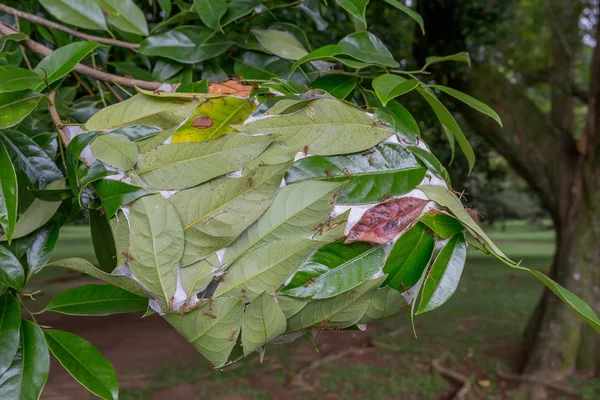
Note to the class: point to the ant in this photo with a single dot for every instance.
(329, 174)
(128, 257)
(243, 292)
(386, 197)
(250, 179)
(333, 198)
(366, 153)
(459, 194)
(352, 294)
(233, 335)
(347, 172)
(472, 212)
(222, 278)
(308, 282)
(305, 149)
(208, 312)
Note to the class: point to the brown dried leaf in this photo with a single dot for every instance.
(202, 122)
(230, 87)
(386, 220)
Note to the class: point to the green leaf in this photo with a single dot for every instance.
(102, 239)
(40, 251)
(389, 86)
(31, 163)
(447, 199)
(114, 150)
(366, 47)
(332, 52)
(253, 65)
(216, 213)
(120, 231)
(265, 268)
(84, 14)
(125, 15)
(10, 325)
(141, 110)
(13, 79)
(355, 8)
(238, 9)
(135, 133)
(211, 12)
(341, 311)
(62, 61)
(294, 213)
(96, 172)
(431, 162)
(413, 14)
(290, 305)
(183, 165)
(83, 266)
(129, 68)
(9, 193)
(337, 85)
(156, 244)
(442, 224)
(84, 362)
(334, 269)
(207, 327)
(35, 216)
(399, 120)
(212, 119)
(384, 303)
(186, 44)
(311, 8)
(385, 170)
(321, 126)
(96, 300)
(115, 194)
(14, 37)
(15, 106)
(409, 258)
(443, 277)
(263, 322)
(280, 43)
(461, 57)
(470, 101)
(448, 122)
(36, 361)
(165, 69)
(59, 194)
(578, 305)
(195, 278)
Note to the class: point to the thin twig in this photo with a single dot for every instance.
(55, 118)
(455, 376)
(82, 69)
(53, 25)
(525, 378)
(113, 92)
(83, 84)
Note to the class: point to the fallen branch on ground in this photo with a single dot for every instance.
(53, 25)
(524, 378)
(301, 384)
(82, 69)
(453, 375)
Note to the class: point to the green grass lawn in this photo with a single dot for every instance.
(479, 327)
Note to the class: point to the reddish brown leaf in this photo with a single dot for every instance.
(386, 220)
(230, 87)
(202, 122)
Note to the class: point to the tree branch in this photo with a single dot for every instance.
(53, 25)
(82, 69)
(55, 118)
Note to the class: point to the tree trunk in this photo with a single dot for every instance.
(557, 340)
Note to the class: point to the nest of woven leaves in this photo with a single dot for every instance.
(256, 218)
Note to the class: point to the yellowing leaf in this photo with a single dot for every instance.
(212, 119)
